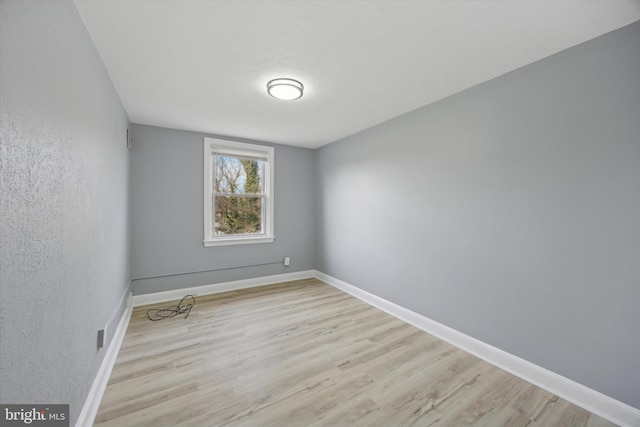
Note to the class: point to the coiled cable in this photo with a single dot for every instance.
(183, 307)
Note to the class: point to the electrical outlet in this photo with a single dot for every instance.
(287, 261)
(102, 337)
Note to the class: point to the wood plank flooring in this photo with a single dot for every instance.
(306, 354)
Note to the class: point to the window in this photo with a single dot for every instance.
(238, 193)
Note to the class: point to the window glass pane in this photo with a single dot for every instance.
(237, 215)
(235, 175)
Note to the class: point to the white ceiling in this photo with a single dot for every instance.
(203, 65)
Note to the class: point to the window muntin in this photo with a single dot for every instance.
(238, 193)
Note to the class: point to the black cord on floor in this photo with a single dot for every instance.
(163, 313)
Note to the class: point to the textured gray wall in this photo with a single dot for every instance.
(64, 209)
(167, 209)
(510, 212)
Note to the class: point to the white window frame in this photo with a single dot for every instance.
(214, 146)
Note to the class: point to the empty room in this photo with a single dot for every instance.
(319, 213)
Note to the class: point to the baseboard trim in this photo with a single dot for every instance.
(578, 394)
(92, 403)
(176, 294)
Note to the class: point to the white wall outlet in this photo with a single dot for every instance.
(287, 261)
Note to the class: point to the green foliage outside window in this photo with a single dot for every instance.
(239, 195)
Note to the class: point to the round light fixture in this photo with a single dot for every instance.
(285, 89)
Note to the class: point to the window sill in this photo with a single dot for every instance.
(227, 241)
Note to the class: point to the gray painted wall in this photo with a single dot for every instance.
(510, 212)
(64, 209)
(167, 208)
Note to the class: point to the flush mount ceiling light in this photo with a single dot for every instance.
(285, 89)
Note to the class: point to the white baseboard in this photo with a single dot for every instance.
(92, 403)
(176, 294)
(578, 394)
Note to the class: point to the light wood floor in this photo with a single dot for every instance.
(306, 354)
